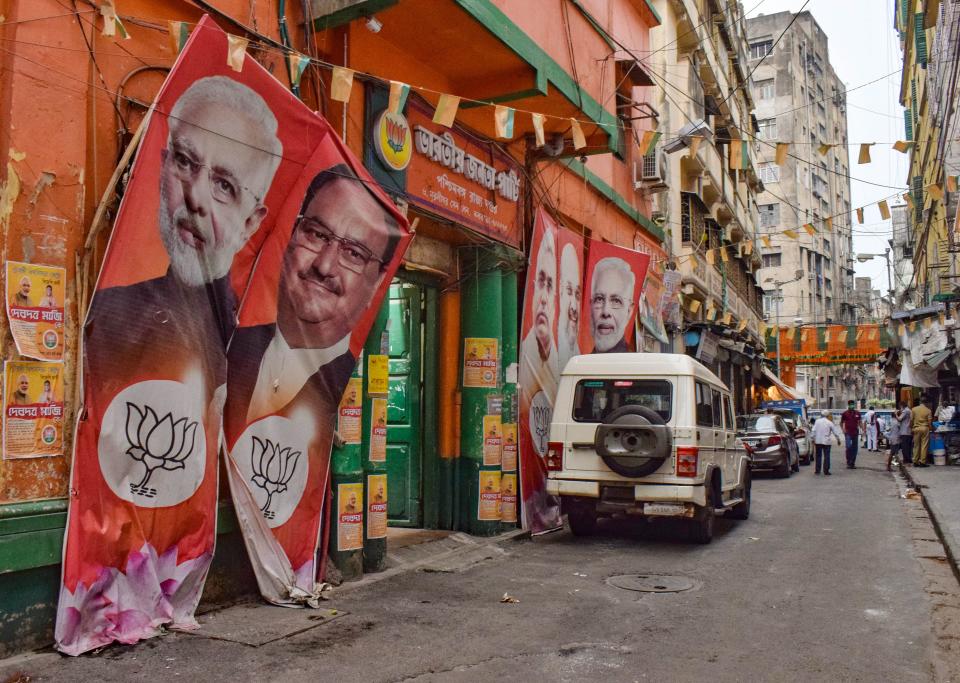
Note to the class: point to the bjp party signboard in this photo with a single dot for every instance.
(35, 309)
(234, 299)
(32, 409)
(612, 286)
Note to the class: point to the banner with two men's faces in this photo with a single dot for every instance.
(249, 257)
(567, 311)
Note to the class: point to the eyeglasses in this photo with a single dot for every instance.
(316, 237)
(615, 302)
(223, 187)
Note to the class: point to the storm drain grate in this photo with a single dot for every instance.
(653, 583)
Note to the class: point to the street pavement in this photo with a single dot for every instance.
(822, 583)
(941, 490)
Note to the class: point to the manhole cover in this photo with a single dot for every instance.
(653, 583)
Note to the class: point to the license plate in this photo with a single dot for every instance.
(751, 442)
(663, 509)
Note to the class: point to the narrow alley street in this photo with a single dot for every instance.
(823, 583)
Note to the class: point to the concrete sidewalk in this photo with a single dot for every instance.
(940, 487)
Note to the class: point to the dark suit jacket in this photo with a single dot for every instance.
(322, 391)
(157, 328)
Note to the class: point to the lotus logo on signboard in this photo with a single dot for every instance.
(393, 141)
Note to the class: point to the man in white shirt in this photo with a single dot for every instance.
(873, 428)
(824, 432)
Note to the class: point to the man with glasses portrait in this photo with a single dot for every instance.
(611, 304)
(336, 259)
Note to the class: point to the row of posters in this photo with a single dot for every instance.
(567, 310)
(250, 254)
(497, 500)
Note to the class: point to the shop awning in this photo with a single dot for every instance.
(786, 392)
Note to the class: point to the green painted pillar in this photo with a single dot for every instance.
(346, 539)
(373, 432)
(511, 407)
(481, 315)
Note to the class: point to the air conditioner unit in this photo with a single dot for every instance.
(650, 174)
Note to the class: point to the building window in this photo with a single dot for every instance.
(769, 215)
(765, 89)
(768, 129)
(769, 304)
(761, 49)
(769, 173)
(772, 260)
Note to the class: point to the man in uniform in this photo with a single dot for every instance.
(921, 418)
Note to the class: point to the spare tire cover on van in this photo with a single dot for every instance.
(633, 441)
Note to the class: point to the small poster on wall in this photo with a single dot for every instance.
(349, 516)
(509, 452)
(378, 430)
(480, 362)
(377, 506)
(348, 416)
(35, 308)
(492, 440)
(32, 409)
(489, 501)
(508, 498)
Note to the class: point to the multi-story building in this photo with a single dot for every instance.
(801, 101)
(929, 39)
(901, 256)
(704, 103)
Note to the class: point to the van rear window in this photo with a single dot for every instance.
(594, 399)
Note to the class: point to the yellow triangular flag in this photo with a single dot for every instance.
(178, 33)
(711, 257)
(783, 148)
(804, 333)
(843, 335)
(902, 146)
(766, 241)
(935, 191)
(872, 334)
(826, 336)
(694, 305)
(446, 112)
(810, 229)
(341, 84)
(913, 326)
(695, 141)
(864, 157)
(951, 183)
(823, 149)
(901, 329)
(109, 14)
(941, 316)
(579, 141)
(748, 248)
(908, 198)
(791, 332)
(236, 51)
(860, 215)
(762, 328)
(711, 313)
(726, 318)
(742, 326)
(725, 257)
(828, 221)
(694, 261)
(792, 234)
(884, 209)
(538, 129)
(928, 323)
(736, 154)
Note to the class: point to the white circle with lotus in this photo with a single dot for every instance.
(152, 446)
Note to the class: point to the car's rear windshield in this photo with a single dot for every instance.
(596, 398)
(756, 423)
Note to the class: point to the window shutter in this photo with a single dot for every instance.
(908, 123)
(920, 36)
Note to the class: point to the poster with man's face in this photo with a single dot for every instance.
(612, 286)
(227, 176)
(570, 296)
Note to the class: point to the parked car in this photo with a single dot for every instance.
(771, 441)
(800, 431)
(645, 435)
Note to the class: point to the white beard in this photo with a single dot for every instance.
(189, 265)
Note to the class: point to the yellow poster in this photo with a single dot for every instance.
(35, 308)
(489, 503)
(480, 362)
(377, 506)
(378, 431)
(492, 440)
(508, 498)
(350, 412)
(378, 375)
(509, 451)
(349, 516)
(32, 409)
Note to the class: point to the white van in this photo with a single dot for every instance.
(646, 435)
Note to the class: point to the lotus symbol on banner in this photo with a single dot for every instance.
(158, 443)
(273, 467)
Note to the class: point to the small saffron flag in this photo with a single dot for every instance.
(179, 31)
(649, 144)
(112, 26)
(579, 141)
(766, 241)
(748, 248)
(727, 318)
(711, 257)
(538, 129)
(694, 305)
(742, 326)
(864, 157)
(823, 149)
(782, 149)
(503, 120)
(792, 234)
(398, 96)
(860, 215)
(908, 198)
(694, 261)
(935, 191)
(236, 52)
(842, 337)
(884, 209)
(736, 155)
(711, 313)
(810, 229)
(902, 146)
(928, 323)
(951, 183)
(828, 221)
(695, 141)
(296, 65)
(724, 256)
(446, 112)
(341, 84)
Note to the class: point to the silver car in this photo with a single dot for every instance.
(773, 446)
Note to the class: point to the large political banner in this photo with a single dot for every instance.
(220, 219)
(611, 292)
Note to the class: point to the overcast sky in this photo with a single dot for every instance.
(863, 47)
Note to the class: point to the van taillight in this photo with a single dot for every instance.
(554, 457)
(687, 459)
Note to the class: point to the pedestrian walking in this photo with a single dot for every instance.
(905, 419)
(852, 429)
(870, 420)
(921, 418)
(893, 440)
(824, 433)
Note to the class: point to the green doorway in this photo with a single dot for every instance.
(411, 406)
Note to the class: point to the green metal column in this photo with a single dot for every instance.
(481, 314)
(347, 468)
(509, 357)
(374, 549)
